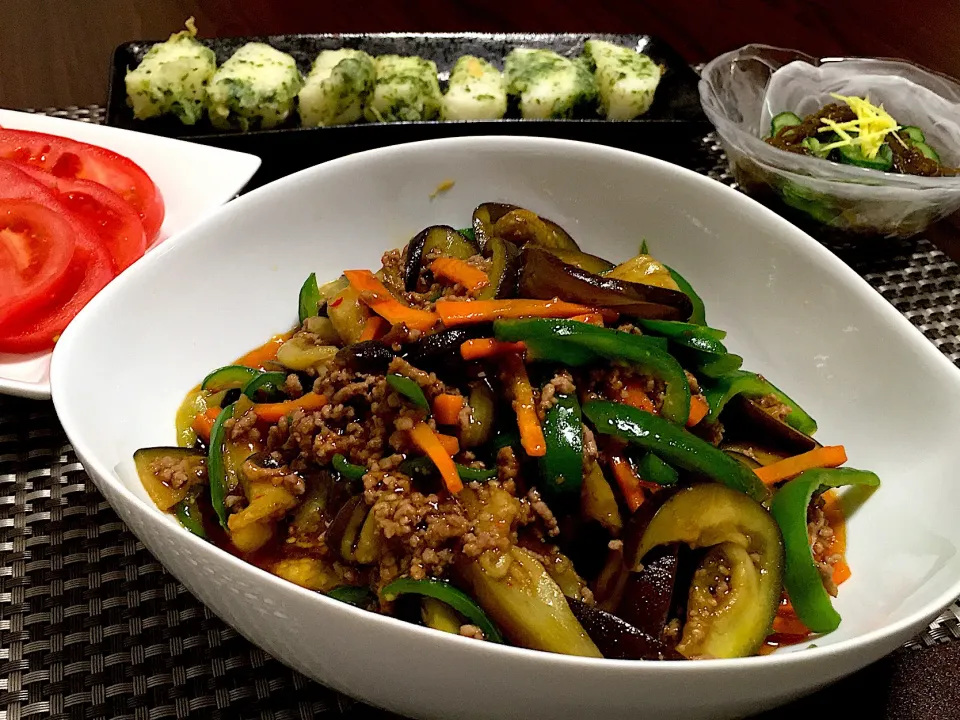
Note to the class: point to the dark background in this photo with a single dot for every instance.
(57, 52)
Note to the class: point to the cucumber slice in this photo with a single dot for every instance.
(927, 151)
(814, 147)
(914, 133)
(227, 377)
(852, 155)
(782, 120)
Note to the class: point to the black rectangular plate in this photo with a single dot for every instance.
(674, 119)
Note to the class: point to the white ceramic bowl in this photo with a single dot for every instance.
(792, 308)
(193, 180)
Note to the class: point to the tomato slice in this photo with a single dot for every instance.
(76, 160)
(36, 247)
(102, 211)
(89, 271)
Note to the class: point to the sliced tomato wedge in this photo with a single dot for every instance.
(36, 247)
(76, 160)
(89, 271)
(102, 210)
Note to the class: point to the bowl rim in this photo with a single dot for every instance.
(815, 167)
(102, 305)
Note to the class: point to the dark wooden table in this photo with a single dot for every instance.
(57, 52)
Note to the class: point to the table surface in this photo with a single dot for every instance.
(63, 60)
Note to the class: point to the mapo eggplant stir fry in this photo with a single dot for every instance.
(501, 436)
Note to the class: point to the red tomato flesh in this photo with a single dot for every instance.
(36, 247)
(66, 158)
(102, 211)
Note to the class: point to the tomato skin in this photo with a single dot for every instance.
(89, 272)
(36, 248)
(66, 158)
(101, 210)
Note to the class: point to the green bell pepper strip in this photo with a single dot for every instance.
(707, 364)
(189, 516)
(228, 377)
(673, 444)
(258, 382)
(699, 337)
(653, 469)
(425, 466)
(446, 593)
(720, 391)
(801, 578)
(561, 468)
(355, 595)
(614, 345)
(409, 389)
(215, 467)
(698, 315)
(309, 301)
(469, 233)
(348, 469)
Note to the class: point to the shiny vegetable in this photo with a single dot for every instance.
(230, 376)
(561, 467)
(424, 467)
(410, 390)
(653, 469)
(188, 514)
(584, 261)
(366, 356)
(645, 270)
(426, 439)
(454, 313)
(379, 299)
(446, 593)
(348, 469)
(459, 271)
(597, 501)
(164, 495)
(439, 616)
(545, 276)
(515, 378)
(441, 238)
(519, 227)
(802, 579)
(747, 421)
(219, 485)
(830, 456)
(698, 337)
(698, 314)
(482, 415)
(646, 597)
(272, 412)
(352, 595)
(446, 408)
(549, 339)
(309, 300)
(528, 606)
(616, 638)
(672, 444)
(301, 353)
(483, 348)
(348, 314)
(274, 380)
(733, 623)
(719, 392)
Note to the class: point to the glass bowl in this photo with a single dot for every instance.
(741, 90)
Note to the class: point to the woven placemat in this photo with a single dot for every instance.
(92, 626)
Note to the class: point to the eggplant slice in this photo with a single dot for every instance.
(545, 276)
(519, 226)
(618, 639)
(648, 595)
(504, 270)
(436, 237)
(746, 421)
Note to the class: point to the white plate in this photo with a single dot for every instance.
(193, 180)
(792, 309)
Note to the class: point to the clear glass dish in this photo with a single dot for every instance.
(741, 90)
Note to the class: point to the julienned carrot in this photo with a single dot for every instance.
(628, 481)
(450, 444)
(838, 545)
(480, 348)
(698, 410)
(454, 312)
(272, 412)
(428, 441)
(375, 328)
(379, 299)
(828, 456)
(446, 408)
(633, 394)
(594, 318)
(258, 357)
(459, 271)
(203, 423)
(531, 434)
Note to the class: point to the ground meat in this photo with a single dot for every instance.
(590, 451)
(235, 503)
(615, 545)
(256, 472)
(508, 467)
(393, 262)
(471, 631)
(772, 405)
(692, 382)
(630, 328)
(545, 513)
(671, 633)
(586, 595)
(820, 535)
(611, 383)
(243, 429)
(561, 384)
(292, 386)
(178, 472)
